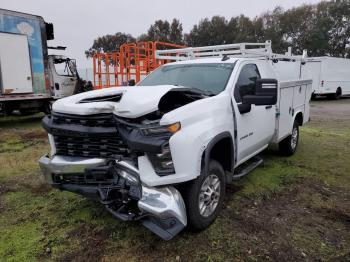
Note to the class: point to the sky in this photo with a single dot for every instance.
(78, 22)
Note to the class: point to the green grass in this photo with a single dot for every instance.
(39, 223)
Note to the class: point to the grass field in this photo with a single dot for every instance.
(289, 209)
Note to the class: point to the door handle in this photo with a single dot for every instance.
(268, 107)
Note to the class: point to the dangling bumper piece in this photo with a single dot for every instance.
(117, 185)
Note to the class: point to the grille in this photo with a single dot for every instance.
(96, 146)
(101, 120)
(88, 143)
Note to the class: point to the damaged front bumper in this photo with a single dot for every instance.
(117, 186)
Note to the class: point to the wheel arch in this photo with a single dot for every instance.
(299, 117)
(221, 149)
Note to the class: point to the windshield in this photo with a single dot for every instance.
(65, 67)
(211, 78)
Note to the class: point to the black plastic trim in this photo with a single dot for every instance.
(81, 130)
(212, 143)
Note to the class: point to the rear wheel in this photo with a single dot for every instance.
(289, 145)
(337, 94)
(204, 197)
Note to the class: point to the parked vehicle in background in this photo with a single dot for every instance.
(28, 78)
(330, 76)
(163, 151)
(64, 77)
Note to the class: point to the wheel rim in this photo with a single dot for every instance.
(294, 139)
(209, 195)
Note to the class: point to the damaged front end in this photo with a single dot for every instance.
(117, 186)
(96, 152)
(96, 156)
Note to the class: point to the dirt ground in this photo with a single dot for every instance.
(289, 209)
(324, 109)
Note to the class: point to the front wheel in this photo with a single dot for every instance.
(289, 145)
(204, 197)
(47, 108)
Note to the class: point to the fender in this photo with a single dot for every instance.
(212, 143)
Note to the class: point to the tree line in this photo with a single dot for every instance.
(322, 29)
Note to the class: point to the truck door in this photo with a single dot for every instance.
(15, 69)
(255, 125)
(63, 76)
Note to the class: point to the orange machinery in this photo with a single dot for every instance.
(133, 61)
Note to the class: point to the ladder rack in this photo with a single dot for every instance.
(262, 50)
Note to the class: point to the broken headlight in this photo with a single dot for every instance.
(162, 162)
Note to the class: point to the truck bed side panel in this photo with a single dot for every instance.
(294, 97)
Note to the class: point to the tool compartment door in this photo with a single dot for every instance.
(15, 67)
(285, 120)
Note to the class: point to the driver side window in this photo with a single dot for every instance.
(246, 82)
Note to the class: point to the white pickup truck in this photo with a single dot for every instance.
(163, 151)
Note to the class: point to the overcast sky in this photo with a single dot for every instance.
(78, 22)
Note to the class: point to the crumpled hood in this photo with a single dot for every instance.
(135, 101)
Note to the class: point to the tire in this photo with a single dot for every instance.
(47, 108)
(337, 94)
(289, 145)
(194, 194)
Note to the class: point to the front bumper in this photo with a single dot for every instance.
(117, 186)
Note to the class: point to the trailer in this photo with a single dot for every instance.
(330, 75)
(28, 78)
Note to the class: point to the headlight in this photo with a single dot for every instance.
(162, 162)
(161, 130)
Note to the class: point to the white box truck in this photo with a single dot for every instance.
(330, 76)
(163, 151)
(28, 77)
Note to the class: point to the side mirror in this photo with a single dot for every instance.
(49, 31)
(265, 93)
(131, 82)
